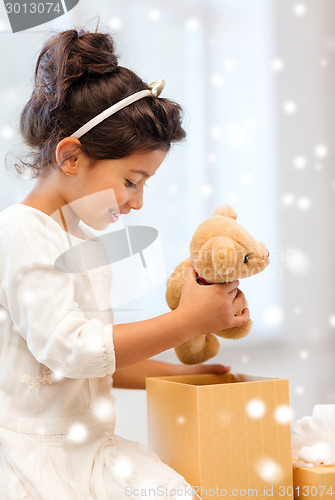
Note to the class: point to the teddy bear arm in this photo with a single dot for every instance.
(198, 349)
(175, 284)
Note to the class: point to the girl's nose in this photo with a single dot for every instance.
(136, 202)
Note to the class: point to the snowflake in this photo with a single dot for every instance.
(3, 315)
(206, 190)
(321, 151)
(269, 470)
(300, 162)
(256, 408)
(7, 132)
(77, 433)
(297, 261)
(229, 64)
(332, 321)
(173, 189)
(304, 203)
(273, 315)
(277, 64)
(283, 414)
(104, 410)
(217, 80)
(154, 15)
(289, 107)
(123, 467)
(192, 24)
(299, 9)
(288, 199)
(212, 158)
(304, 354)
(115, 23)
(216, 132)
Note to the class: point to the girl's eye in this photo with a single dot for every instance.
(130, 184)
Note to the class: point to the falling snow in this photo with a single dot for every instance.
(332, 321)
(229, 64)
(154, 15)
(289, 107)
(7, 132)
(212, 158)
(115, 23)
(277, 64)
(273, 315)
(299, 9)
(123, 467)
(297, 262)
(283, 414)
(300, 390)
(3, 315)
(192, 24)
(304, 203)
(321, 151)
(256, 408)
(288, 199)
(304, 354)
(77, 433)
(206, 190)
(103, 409)
(300, 162)
(269, 470)
(217, 80)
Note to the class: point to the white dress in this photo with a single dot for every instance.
(57, 358)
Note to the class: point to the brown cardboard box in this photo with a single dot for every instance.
(314, 483)
(223, 433)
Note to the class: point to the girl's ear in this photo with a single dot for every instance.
(66, 155)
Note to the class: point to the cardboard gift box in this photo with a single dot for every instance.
(313, 483)
(227, 435)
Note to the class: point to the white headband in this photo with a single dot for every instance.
(154, 89)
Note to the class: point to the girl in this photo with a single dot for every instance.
(59, 348)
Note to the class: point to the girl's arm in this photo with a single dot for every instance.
(134, 376)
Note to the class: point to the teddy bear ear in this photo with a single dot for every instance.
(226, 211)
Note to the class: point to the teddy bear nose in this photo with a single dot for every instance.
(268, 253)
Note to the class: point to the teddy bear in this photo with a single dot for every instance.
(221, 251)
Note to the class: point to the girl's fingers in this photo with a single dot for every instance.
(189, 272)
(243, 318)
(239, 301)
(230, 287)
(213, 368)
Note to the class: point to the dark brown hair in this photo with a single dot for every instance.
(77, 77)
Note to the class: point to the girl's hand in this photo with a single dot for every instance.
(201, 368)
(212, 308)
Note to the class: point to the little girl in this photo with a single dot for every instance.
(59, 348)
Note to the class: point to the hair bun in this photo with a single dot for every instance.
(69, 56)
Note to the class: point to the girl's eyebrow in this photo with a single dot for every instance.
(140, 172)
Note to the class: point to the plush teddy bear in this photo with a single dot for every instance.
(221, 251)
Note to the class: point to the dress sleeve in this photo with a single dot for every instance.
(42, 305)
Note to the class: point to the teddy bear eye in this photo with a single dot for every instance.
(246, 258)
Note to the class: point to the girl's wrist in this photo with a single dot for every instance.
(185, 325)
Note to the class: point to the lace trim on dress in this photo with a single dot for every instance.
(32, 384)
